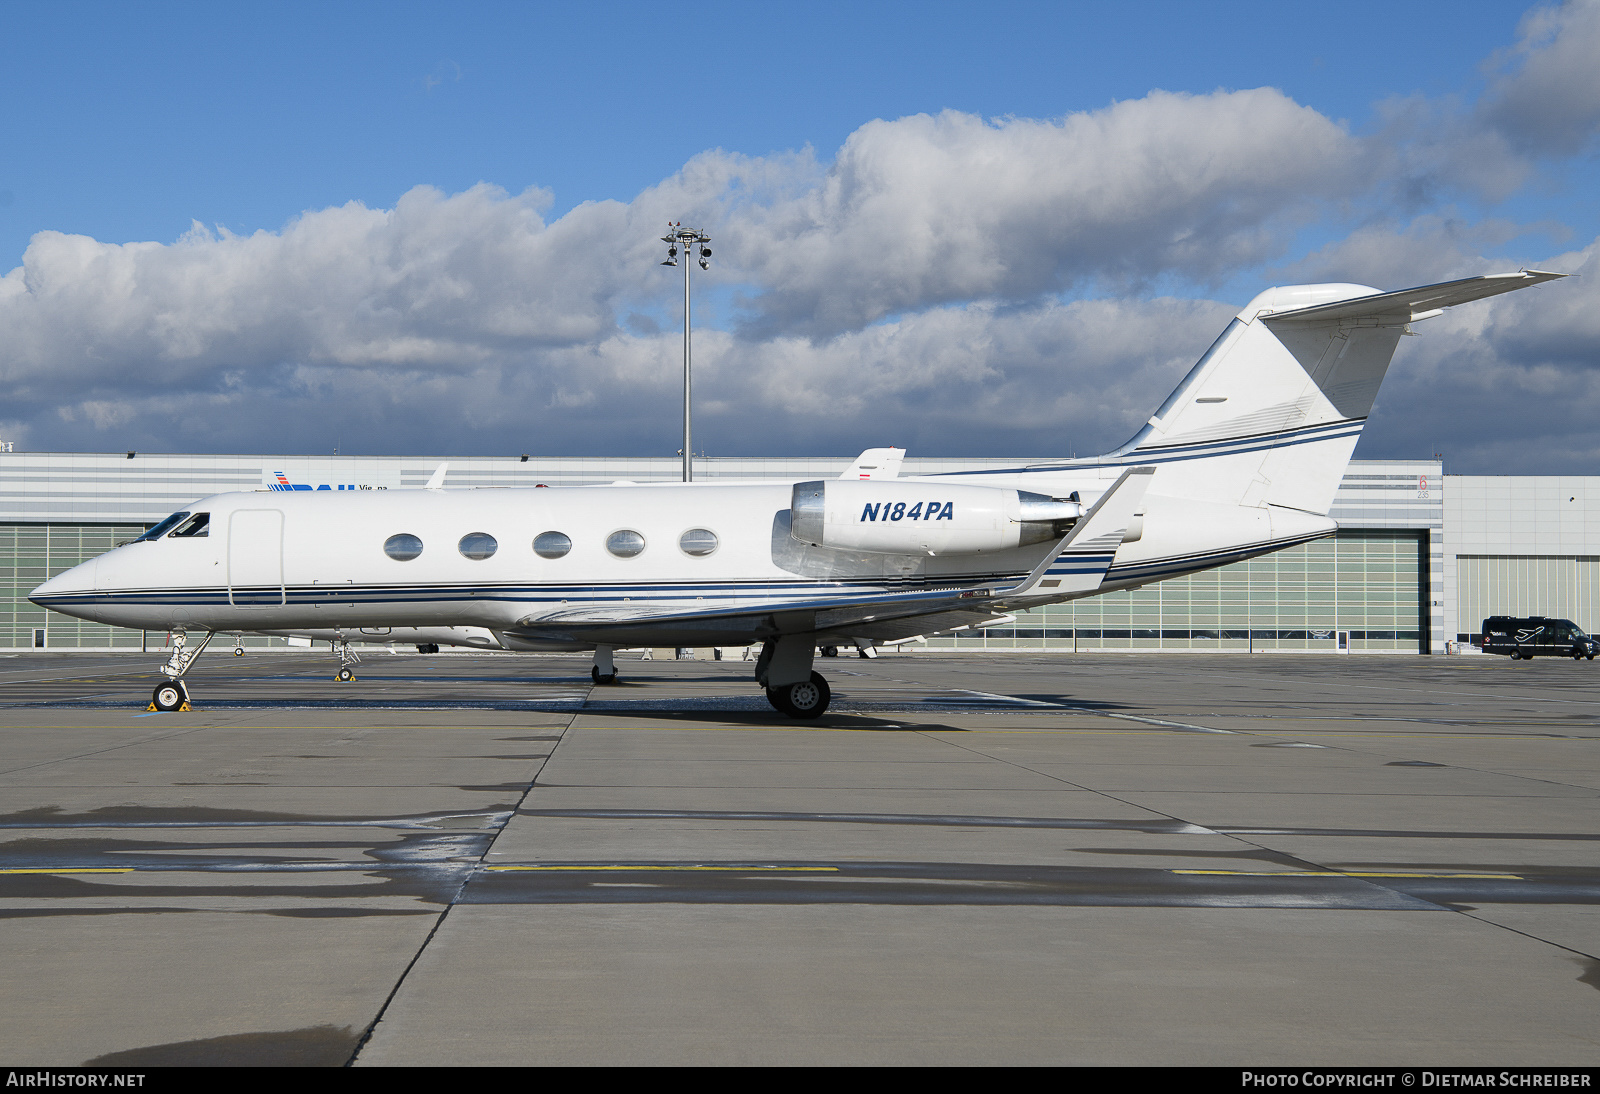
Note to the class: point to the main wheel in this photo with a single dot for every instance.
(807, 699)
(601, 678)
(168, 696)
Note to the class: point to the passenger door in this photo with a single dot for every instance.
(255, 558)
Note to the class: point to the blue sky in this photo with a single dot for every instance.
(141, 118)
(131, 123)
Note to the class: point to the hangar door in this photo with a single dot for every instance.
(255, 558)
(1559, 586)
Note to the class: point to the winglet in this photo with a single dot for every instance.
(1078, 564)
(876, 463)
(436, 481)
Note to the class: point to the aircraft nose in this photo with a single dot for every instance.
(78, 579)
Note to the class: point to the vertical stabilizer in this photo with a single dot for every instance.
(1272, 412)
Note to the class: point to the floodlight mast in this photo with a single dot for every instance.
(689, 239)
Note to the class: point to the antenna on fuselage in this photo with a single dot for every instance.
(436, 481)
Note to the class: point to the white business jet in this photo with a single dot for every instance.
(1242, 459)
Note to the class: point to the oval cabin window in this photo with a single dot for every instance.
(552, 544)
(625, 543)
(478, 545)
(403, 547)
(698, 542)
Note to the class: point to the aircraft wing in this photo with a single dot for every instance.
(1075, 564)
(1422, 302)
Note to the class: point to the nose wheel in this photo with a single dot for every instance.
(807, 699)
(171, 695)
(347, 657)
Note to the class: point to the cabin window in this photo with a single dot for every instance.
(478, 545)
(163, 528)
(196, 527)
(698, 542)
(403, 547)
(625, 543)
(552, 544)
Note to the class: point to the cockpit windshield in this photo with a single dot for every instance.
(163, 528)
(193, 528)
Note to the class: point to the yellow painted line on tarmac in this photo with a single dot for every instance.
(75, 870)
(1342, 873)
(672, 869)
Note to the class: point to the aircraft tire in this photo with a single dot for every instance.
(601, 679)
(168, 696)
(344, 676)
(807, 699)
(238, 651)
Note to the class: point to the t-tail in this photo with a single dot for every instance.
(1270, 415)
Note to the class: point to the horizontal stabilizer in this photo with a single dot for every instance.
(1406, 305)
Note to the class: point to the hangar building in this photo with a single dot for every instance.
(1420, 559)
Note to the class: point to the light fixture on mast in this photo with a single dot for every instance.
(689, 239)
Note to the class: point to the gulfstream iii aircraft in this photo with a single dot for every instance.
(1243, 458)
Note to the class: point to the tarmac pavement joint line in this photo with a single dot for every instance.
(455, 897)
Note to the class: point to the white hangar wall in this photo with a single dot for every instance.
(1521, 545)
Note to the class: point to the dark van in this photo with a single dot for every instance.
(1536, 635)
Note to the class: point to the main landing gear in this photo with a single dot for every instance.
(173, 693)
(807, 699)
(604, 669)
(784, 669)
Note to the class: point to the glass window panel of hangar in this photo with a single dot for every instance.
(1356, 581)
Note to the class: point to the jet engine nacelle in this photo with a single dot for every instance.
(931, 518)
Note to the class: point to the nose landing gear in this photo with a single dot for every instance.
(347, 657)
(173, 694)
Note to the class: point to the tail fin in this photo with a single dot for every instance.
(1272, 412)
(876, 463)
